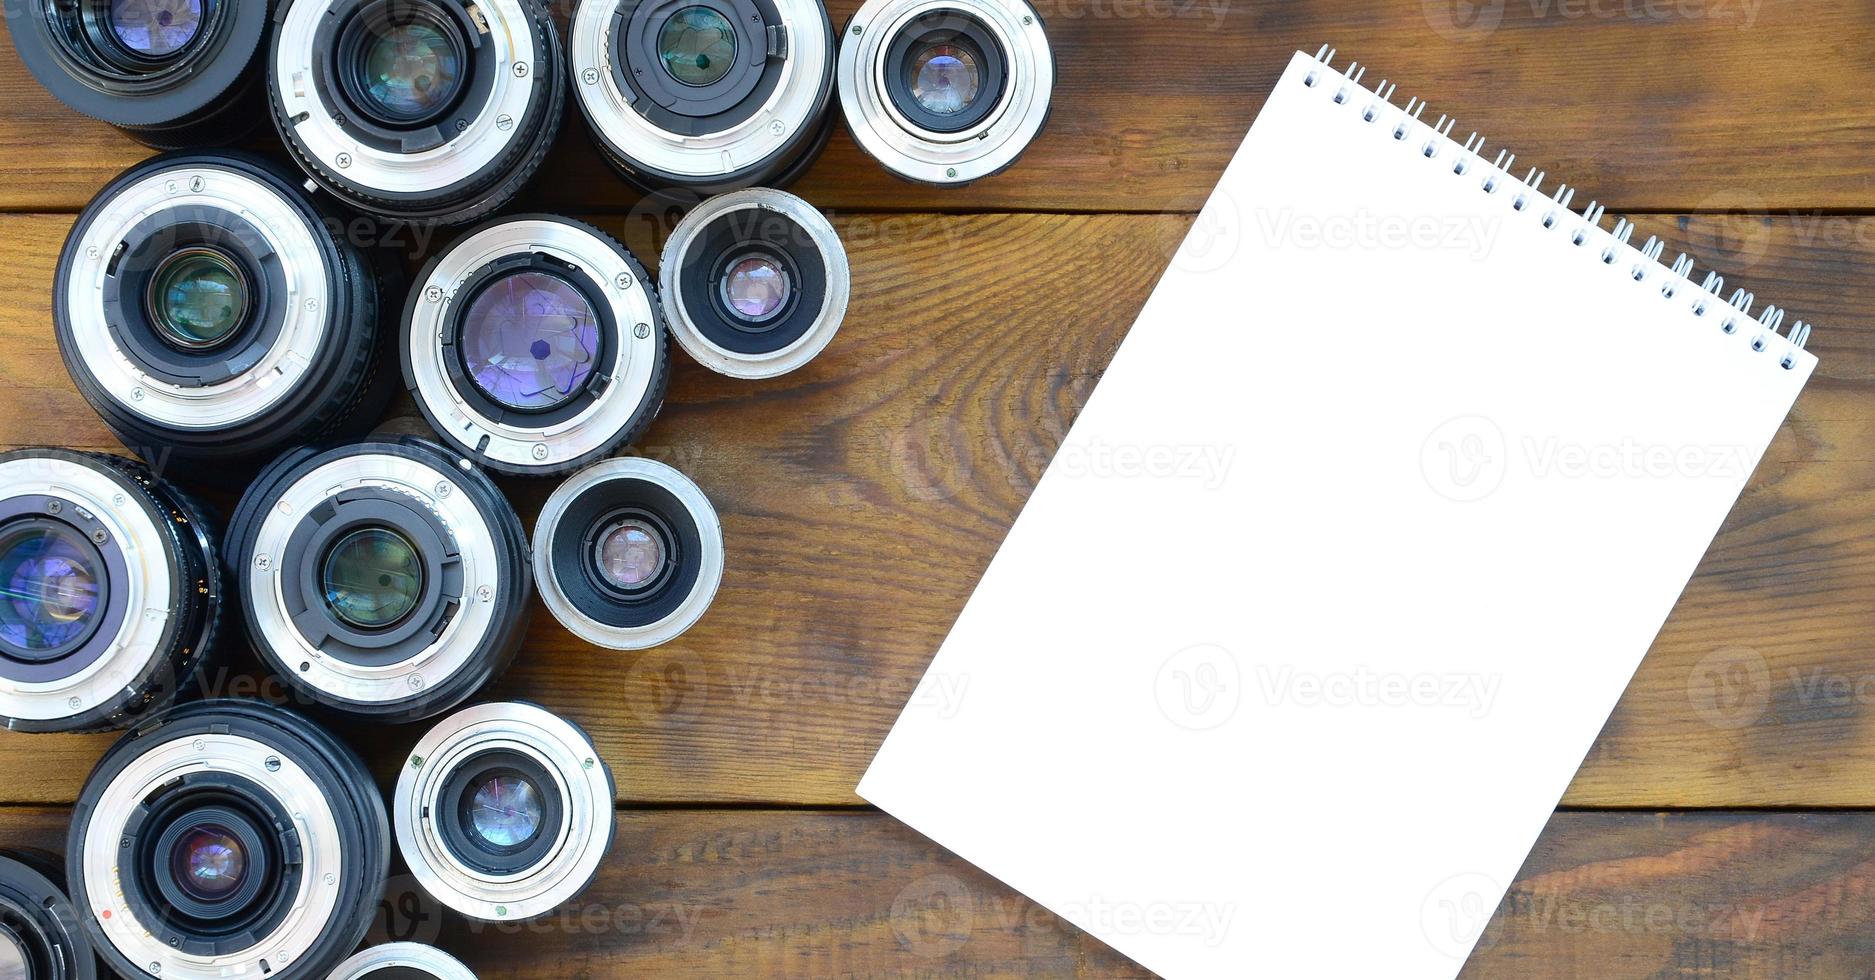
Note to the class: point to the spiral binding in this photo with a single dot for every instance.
(1734, 313)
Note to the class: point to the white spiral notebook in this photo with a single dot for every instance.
(1332, 584)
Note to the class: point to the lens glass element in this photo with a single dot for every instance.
(373, 578)
(697, 45)
(14, 963)
(410, 70)
(52, 587)
(198, 298)
(156, 28)
(505, 810)
(945, 78)
(529, 340)
(631, 554)
(208, 862)
(756, 287)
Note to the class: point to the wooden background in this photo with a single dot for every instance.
(1721, 827)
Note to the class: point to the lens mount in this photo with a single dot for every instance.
(996, 49)
(192, 81)
(438, 788)
(297, 362)
(577, 383)
(296, 804)
(408, 626)
(498, 67)
(762, 117)
(112, 593)
(39, 928)
(402, 961)
(653, 605)
(785, 327)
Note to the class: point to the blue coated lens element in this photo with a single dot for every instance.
(529, 341)
(208, 862)
(156, 28)
(53, 587)
(410, 70)
(505, 811)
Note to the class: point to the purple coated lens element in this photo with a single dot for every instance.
(208, 862)
(529, 340)
(52, 587)
(156, 28)
(756, 287)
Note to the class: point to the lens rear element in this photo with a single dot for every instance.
(53, 579)
(529, 341)
(373, 578)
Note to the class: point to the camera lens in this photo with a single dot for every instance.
(418, 110)
(207, 310)
(945, 93)
(384, 580)
(705, 95)
(504, 811)
(170, 73)
(534, 345)
(228, 838)
(111, 593)
(40, 935)
(402, 961)
(628, 553)
(754, 283)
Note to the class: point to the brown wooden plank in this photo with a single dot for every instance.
(1651, 105)
(775, 893)
(863, 495)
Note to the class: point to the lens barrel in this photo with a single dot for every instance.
(944, 92)
(504, 811)
(207, 310)
(402, 961)
(170, 74)
(111, 597)
(228, 838)
(628, 553)
(418, 110)
(754, 283)
(41, 935)
(705, 95)
(382, 580)
(534, 345)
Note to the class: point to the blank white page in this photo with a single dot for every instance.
(1330, 587)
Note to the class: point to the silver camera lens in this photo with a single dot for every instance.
(534, 345)
(945, 92)
(109, 592)
(206, 309)
(386, 580)
(504, 811)
(402, 961)
(754, 283)
(628, 553)
(40, 933)
(418, 110)
(708, 95)
(227, 838)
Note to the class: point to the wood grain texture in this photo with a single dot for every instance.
(1648, 104)
(710, 894)
(863, 495)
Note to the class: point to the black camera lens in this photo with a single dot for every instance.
(170, 73)
(706, 95)
(534, 345)
(385, 580)
(418, 110)
(207, 309)
(504, 811)
(228, 838)
(40, 932)
(945, 94)
(628, 553)
(402, 961)
(754, 283)
(109, 591)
